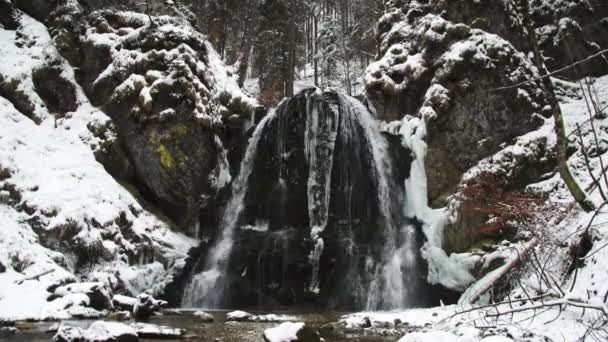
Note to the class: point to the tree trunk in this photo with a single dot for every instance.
(560, 129)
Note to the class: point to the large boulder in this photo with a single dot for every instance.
(568, 30)
(291, 332)
(145, 306)
(175, 107)
(98, 295)
(99, 331)
(454, 77)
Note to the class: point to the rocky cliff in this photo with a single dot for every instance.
(117, 138)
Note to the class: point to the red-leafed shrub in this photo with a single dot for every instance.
(489, 199)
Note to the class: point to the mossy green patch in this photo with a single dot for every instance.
(168, 146)
(166, 159)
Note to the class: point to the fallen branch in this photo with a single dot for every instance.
(575, 302)
(35, 277)
(504, 270)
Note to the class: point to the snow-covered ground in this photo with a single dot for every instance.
(62, 216)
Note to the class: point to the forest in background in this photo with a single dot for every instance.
(326, 43)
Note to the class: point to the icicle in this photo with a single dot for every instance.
(444, 270)
(320, 139)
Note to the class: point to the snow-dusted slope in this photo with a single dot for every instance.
(60, 211)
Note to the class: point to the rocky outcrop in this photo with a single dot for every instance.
(67, 220)
(568, 30)
(145, 306)
(173, 104)
(451, 75)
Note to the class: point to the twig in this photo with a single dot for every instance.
(35, 277)
(588, 163)
(598, 54)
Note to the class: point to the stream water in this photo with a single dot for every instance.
(219, 330)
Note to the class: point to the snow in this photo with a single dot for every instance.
(449, 271)
(248, 317)
(286, 332)
(106, 330)
(556, 233)
(444, 324)
(238, 315)
(28, 300)
(18, 62)
(204, 316)
(146, 330)
(54, 172)
(97, 331)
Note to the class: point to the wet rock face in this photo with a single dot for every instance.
(450, 74)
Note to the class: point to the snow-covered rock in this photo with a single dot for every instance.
(64, 219)
(242, 316)
(153, 331)
(286, 332)
(439, 70)
(291, 332)
(99, 296)
(203, 316)
(123, 302)
(99, 331)
(238, 316)
(8, 331)
(146, 306)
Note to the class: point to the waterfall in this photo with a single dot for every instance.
(206, 288)
(324, 174)
(395, 271)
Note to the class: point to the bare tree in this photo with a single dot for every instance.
(560, 129)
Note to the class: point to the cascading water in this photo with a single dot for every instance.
(318, 172)
(206, 288)
(397, 266)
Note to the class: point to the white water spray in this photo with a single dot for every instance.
(206, 288)
(389, 289)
